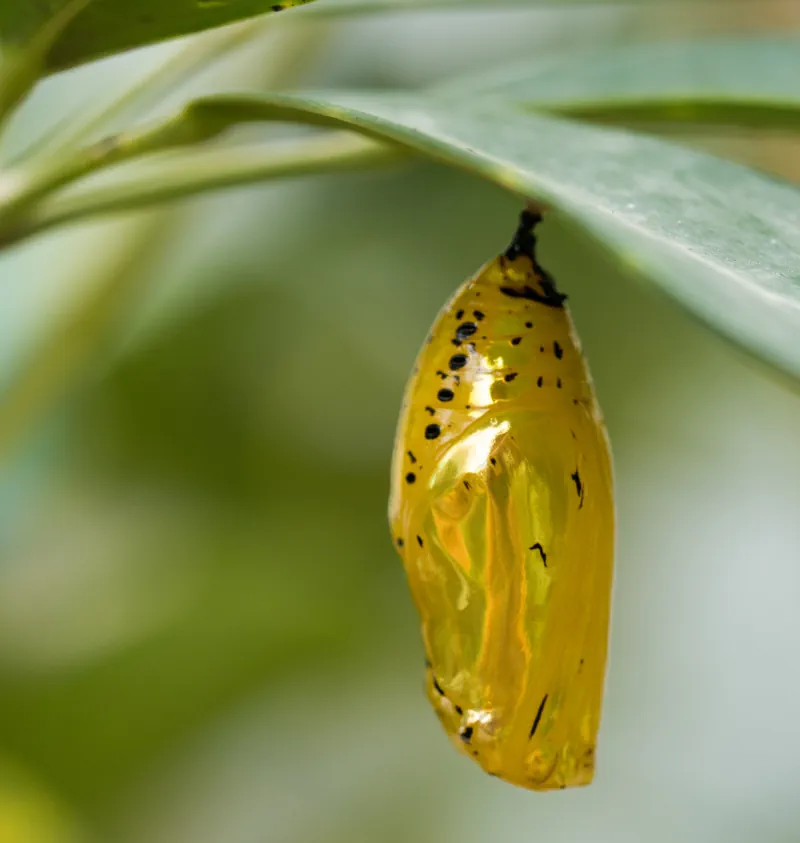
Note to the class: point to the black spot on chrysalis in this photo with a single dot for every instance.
(579, 487)
(538, 717)
(465, 330)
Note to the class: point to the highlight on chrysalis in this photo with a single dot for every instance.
(502, 511)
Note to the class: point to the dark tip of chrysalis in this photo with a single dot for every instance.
(524, 242)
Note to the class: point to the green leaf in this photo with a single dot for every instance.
(22, 64)
(353, 7)
(111, 26)
(717, 237)
(751, 82)
(188, 173)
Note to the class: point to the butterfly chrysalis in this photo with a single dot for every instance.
(502, 511)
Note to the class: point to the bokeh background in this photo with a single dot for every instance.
(205, 634)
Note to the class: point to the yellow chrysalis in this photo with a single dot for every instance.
(502, 510)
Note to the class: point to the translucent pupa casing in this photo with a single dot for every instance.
(502, 510)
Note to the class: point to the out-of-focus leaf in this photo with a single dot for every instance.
(351, 7)
(184, 174)
(111, 26)
(22, 64)
(246, 603)
(30, 812)
(744, 82)
(196, 55)
(717, 237)
(45, 378)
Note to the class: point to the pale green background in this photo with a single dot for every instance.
(205, 634)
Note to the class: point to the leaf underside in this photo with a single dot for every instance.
(112, 26)
(718, 238)
(750, 82)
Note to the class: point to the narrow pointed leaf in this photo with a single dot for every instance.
(111, 26)
(720, 239)
(752, 82)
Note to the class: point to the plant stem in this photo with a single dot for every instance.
(27, 185)
(180, 175)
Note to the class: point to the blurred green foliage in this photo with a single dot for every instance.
(205, 633)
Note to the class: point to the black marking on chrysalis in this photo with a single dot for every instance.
(458, 361)
(430, 410)
(549, 297)
(445, 395)
(538, 547)
(410, 477)
(579, 487)
(510, 377)
(465, 733)
(412, 458)
(538, 717)
(465, 329)
(419, 541)
(524, 243)
(432, 431)
(559, 352)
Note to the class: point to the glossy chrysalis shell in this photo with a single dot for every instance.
(502, 511)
